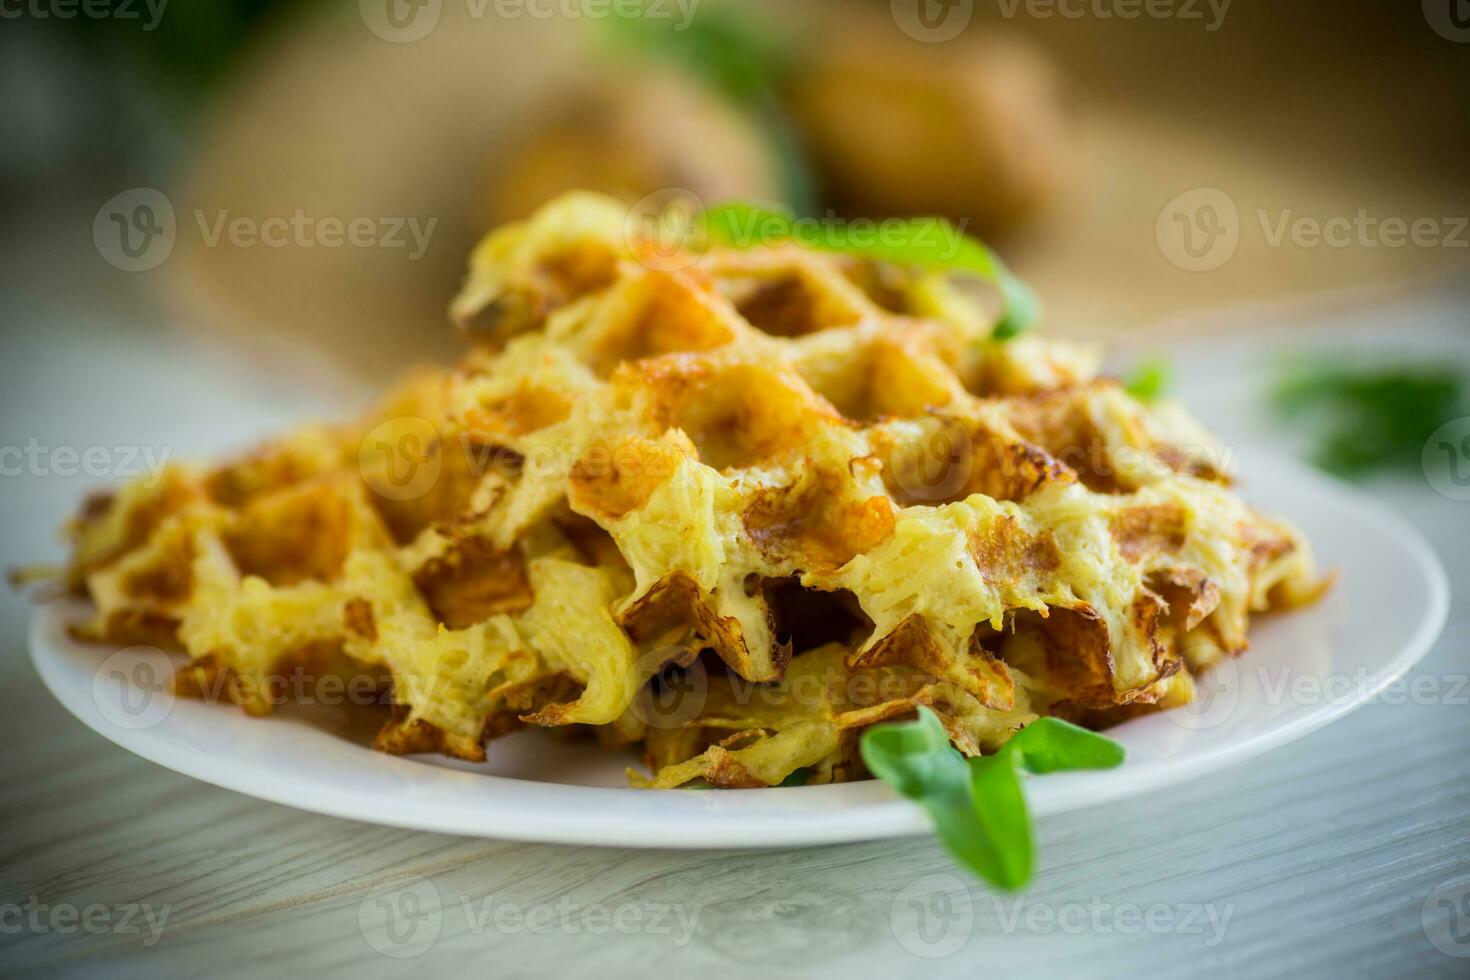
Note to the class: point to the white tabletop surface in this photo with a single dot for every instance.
(1344, 854)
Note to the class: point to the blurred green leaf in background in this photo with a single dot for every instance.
(1365, 418)
(737, 53)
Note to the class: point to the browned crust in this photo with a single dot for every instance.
(611, 481)
(472, 581)
(676, 607)
(1005, 554)
(912, 643)
(1147, 531)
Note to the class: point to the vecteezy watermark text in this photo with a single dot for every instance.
(403, 919)
(1211, 13)
(1362, 229)
(572, 918)
(1200, 230)
(137, 229)
(150, 12)
(936, 21)
(1218, 690)
(935, 916)
(1100, 917)
(405, 21)
(65, 918)
(37, 459)
(308, 231)
(1288, 685)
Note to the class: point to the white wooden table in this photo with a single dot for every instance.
(1324, 858)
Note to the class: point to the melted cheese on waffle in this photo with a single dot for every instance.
(815, 485)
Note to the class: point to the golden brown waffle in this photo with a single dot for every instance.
(733, 504)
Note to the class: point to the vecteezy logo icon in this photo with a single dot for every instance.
(135, 230)
(662, 229)
(937, 465)
(400, 21)
(1199, 230)
(932, 21)
(1450, 19)
(1216, 693)
(1446, 459)
(677, 695)
(401, 459)
(401, 919)
(131, 688)
(788, 928)
(933, 917)
(1445, 917)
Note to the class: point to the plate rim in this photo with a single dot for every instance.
(885, 816)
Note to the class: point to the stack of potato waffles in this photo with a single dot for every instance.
(732, 505)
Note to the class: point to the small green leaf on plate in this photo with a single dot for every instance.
(1053, 745)
(978, 805)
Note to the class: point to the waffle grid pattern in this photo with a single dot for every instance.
(732, 505)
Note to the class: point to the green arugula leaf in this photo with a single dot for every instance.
(999, 806)
(1150, 380)
(977, 805)
(798, 777)
(917, 760)
(925, 243)
(1052, 745)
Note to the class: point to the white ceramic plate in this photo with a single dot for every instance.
(1303, 670)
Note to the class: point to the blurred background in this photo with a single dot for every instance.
(1138, 161)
